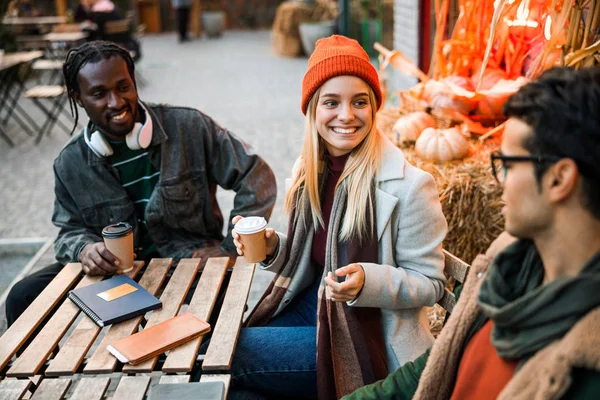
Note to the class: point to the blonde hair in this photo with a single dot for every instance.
(358, 175)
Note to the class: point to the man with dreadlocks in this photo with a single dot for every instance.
(155, 167)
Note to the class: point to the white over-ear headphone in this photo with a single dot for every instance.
(139, 138)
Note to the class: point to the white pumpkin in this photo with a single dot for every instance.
(408, 127)
(441, 145)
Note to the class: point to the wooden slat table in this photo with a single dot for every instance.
(91, 389)
(51, 389)
(60, 374)
(102, 361)
(23, 327)
(13, 389)
(32, 359)
(182, 358)
(222, 344)
(225, 378)
(174, 379)
(72, 353)
(172, 298)
(132, 388)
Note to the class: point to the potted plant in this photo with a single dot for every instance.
(322, 24)
(213, 18)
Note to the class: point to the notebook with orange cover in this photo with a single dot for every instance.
(159, 338)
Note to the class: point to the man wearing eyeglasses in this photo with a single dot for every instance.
(527, 324)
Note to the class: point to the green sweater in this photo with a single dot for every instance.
(138, 176)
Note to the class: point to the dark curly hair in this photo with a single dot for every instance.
(90, 52)
(563, 109)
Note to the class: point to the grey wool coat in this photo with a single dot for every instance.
(409, 275)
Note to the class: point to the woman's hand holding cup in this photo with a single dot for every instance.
(270, 242)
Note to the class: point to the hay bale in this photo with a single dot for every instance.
(285, 46)
(386, 118)
(469, 195)
(286, 33)
(436, 315)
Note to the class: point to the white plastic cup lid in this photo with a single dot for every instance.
(249, 225)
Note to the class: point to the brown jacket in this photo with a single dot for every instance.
(547, 375)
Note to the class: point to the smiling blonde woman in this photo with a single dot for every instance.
(363, 253)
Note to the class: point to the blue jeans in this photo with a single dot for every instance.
(279, 359)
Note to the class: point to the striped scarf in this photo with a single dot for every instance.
(350, 345)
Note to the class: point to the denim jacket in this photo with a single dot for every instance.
(194, 155)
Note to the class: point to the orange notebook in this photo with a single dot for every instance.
(159, 338)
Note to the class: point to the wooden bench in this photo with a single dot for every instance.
(455, 268)
(57, 370)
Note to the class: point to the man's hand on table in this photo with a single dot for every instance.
(97, 260)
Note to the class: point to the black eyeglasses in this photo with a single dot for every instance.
(499, 161)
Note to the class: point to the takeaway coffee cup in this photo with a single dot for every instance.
(118, 239)
(252, 236)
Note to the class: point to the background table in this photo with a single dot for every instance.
(49, 20)
(59, 43)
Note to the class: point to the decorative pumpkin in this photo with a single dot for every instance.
(441, 145)
(492, 102)
(491, 106)
(451, 93)
(491, 76)
(408, 127)
(460, 81)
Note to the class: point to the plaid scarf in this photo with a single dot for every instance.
(350, 346)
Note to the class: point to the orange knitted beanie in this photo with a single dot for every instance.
(335, 56)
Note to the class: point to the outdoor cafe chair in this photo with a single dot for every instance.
(56, 97)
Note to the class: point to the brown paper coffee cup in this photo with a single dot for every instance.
(118, 239)
(255, 246)
(252, 236)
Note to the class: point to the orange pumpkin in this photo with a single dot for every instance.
(492, 102)
(450, 94)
